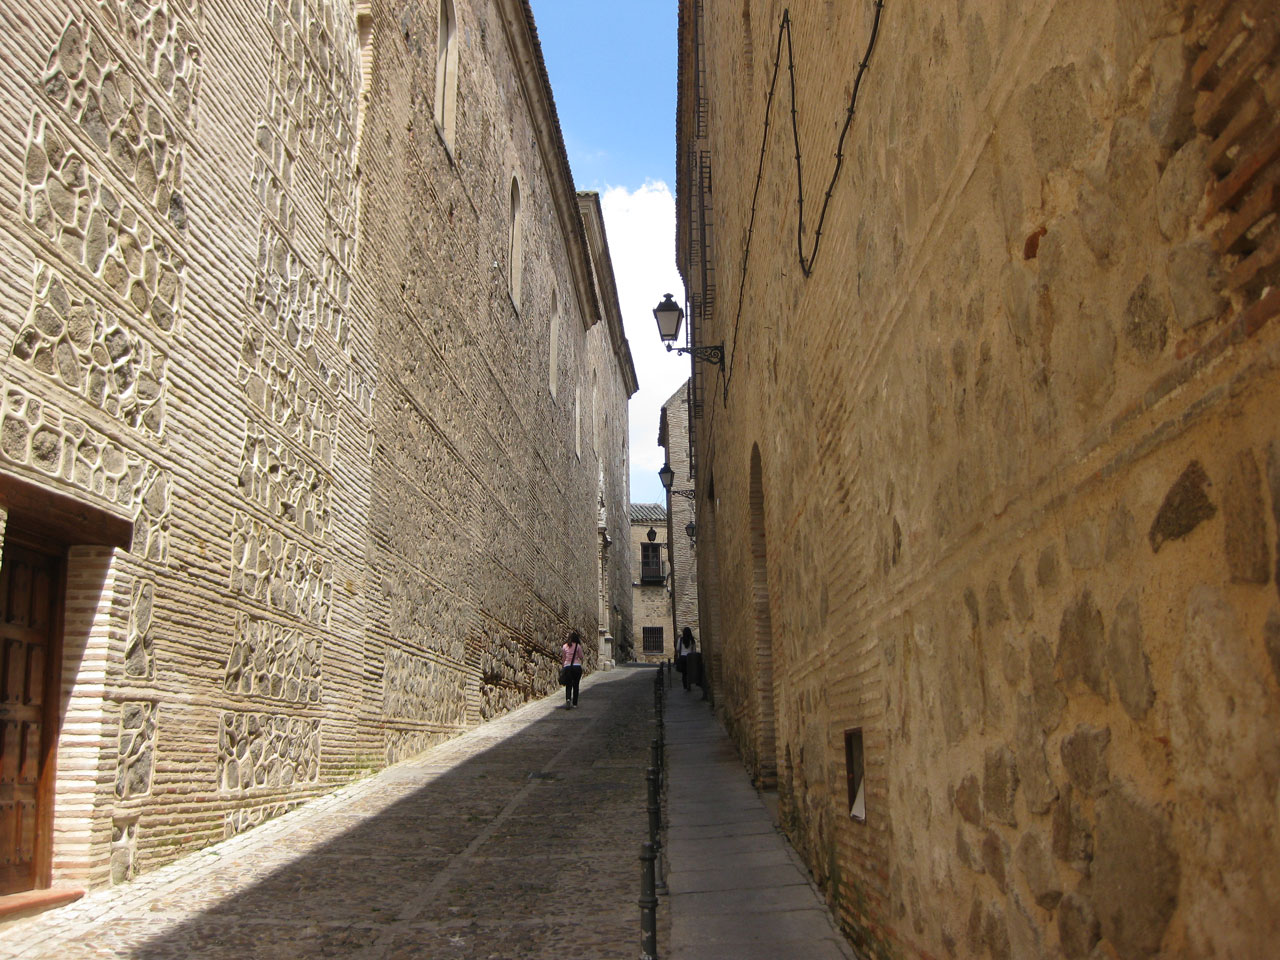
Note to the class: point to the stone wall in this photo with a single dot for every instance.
(257, 312)
(674, 436)
(991, 478)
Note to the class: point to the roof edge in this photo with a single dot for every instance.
(531, 71)
(607, 286)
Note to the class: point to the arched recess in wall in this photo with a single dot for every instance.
(364, 31)
(577, 420)
(553, 377)
(446, 105)
(596, 430)
(767, 764)
(515, 251)
(709, 591)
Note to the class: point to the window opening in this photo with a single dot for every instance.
(515, 250)
(854, 772)
(652, 639)
(364, 30)
(447, 73)
(555, 343)
(651, 564)
(595, 411)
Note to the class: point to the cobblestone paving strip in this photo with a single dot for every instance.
(517, 840)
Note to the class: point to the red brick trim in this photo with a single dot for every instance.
(1238, 62)
(17, 905)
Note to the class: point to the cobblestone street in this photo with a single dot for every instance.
(518, 839)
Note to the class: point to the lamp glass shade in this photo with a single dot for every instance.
(668, 314)
(691, 529)
(666, 475)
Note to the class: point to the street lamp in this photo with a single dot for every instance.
(691, 528)
(668, 476)
(668, 314)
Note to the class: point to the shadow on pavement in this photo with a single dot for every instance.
(526, 848)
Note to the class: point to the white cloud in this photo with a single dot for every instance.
(641, 225)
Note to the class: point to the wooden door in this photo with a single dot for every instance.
(30, 644)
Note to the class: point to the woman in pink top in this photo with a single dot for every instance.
(571, 659)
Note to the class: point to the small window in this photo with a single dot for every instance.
(364, 28)
(854, 771)
(577, 420)
(652, 639)
(595, 411)
(555, 343)
(651, 564)
(515, 252)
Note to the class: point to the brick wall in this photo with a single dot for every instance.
(994, 477)
(252, 305)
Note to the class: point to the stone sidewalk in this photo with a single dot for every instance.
(737, 889)
(518, 840)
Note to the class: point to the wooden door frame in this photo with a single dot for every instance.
(51, 718)
(46, 517)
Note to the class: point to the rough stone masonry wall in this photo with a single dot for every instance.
(1020, 467)
(246, 300)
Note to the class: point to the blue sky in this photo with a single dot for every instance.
(613, 72)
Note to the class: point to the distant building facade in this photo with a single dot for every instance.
(610, 384)
(989, 480)
(673, 437)
(651, 594)
(314, 409)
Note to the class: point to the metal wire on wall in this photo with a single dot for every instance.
(806, 261)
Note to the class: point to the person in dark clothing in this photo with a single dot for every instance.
(687, 654)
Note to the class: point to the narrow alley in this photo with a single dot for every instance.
(337, 440)
(516, 839)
